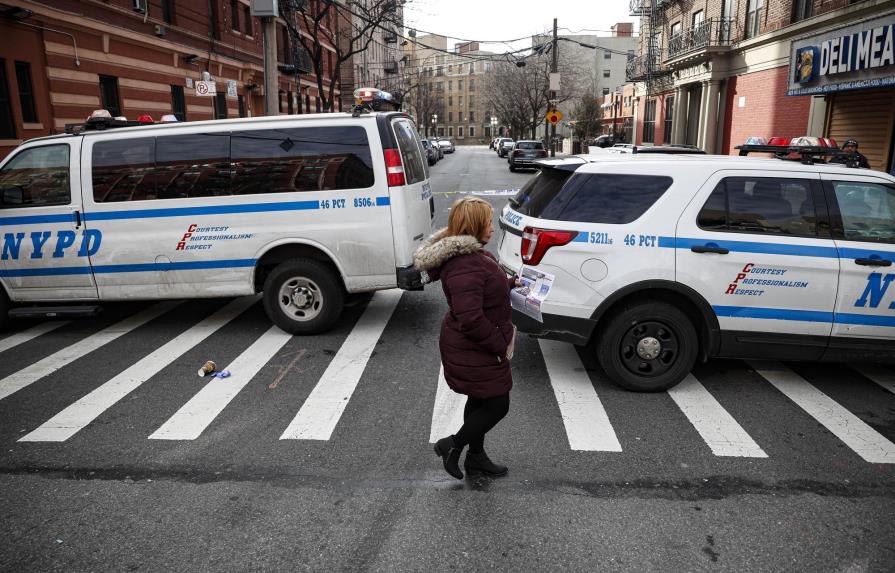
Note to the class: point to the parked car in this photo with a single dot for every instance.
(447, 145)
(661, 260)
(438, 149)
(525, 153)
(431, 152)
(606, 140)
(493, 143)
(504, 147)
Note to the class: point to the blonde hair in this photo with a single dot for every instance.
(469, 216)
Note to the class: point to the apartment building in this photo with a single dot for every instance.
(715, 72)
(445, 92)
(62, 59)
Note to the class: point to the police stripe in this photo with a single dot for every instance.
(133, 268)
(803, 315)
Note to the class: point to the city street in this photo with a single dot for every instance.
(315, 454)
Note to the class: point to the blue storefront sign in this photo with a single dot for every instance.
(861, 56)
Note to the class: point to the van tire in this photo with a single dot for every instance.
(636, 332)
(5, 307)
(303, 296)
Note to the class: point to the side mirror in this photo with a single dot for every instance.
(13, 196)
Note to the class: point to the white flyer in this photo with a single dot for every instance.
(528, 298)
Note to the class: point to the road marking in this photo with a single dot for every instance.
(447, 415)
(318, 416)
(717, 427)
(192, 418)
(857, 435)
(878, 374)
(587, 425)
(27, 376)
(30, 334)
(76, 417)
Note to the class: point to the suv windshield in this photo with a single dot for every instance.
(539, 191)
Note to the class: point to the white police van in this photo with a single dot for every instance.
(661, 260)
(305, 208)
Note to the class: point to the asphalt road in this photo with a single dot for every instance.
(99, 469)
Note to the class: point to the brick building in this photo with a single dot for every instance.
(715, 72)
(62, 59)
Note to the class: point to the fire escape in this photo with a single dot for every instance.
(647, 67)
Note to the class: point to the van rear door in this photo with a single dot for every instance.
(410, 192)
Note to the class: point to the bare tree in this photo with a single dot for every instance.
(518, 95)
(427, 101)
(346, 26)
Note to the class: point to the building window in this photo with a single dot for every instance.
(607, 55)
(675, 29)
(241, 104)
(649, 121)
(471, 101)
(168, 11)
(471, 118)
(450, 85)
(247, 20)
(472, 68)
(450, 100)
(605, 91)
(7, 120)
(802, 10)
(178, 104)
(471, 85)
(280, 95)
(606, 73)
(441, 132)
(26, 92)
(108, 89)
(450, 116)
(669, 117)
(220, 105)
(234, 15)
(460, 101)
(460, 85)
(213, 21)
(290, 109)
(471, 129)
(698, 18)
(460, 132)
(450, 131)
(317, 104)
(753, 18)
(307, 103)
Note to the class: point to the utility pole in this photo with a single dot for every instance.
(553, 69)
(271, 74)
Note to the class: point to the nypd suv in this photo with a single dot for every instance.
(660, 260)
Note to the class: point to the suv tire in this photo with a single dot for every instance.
(5, 307)
(648, 347)
(512, 168)
(303, 296)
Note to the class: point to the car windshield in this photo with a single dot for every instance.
(535, 195)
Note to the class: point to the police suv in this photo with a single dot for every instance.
(307, 209)
(660, 260)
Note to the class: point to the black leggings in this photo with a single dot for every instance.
(479, 416)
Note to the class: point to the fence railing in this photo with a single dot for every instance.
(709, 33)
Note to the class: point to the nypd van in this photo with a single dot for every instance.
(660, 260)
(306, 209)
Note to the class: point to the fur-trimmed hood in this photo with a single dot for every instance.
(440, 247)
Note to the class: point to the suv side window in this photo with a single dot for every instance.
(606, 198)
(36, 177)
(772, 205)
(867, 211)
(411, 156)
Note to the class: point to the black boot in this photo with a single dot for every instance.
(450, 455)
(480, 463)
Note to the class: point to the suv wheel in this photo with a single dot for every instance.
(303, 296)
(648, 347)
(512, 168)
(5, 306)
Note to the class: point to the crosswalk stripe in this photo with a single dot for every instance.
(587, 424)
(192, 418)
(30, 334)
(27, 376)
(76, 417)
(717, 427)
(878, 374)
(318, 416)
(447, 415)
(857, 435)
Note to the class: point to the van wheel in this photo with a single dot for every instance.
(648, 347)
(303, 296)
(5, 307)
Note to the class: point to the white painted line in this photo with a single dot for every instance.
(447, 416)
(318, 416)
(882, 376)
(857, 435)
(27, 376)
(192, 418)
(587, 425)
(30, 334)
(717, 427)
(76, 417)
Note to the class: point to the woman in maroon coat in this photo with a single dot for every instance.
(476, 333)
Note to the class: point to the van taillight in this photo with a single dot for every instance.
(535, 243)
(394, 169)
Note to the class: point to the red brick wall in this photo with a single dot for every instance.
(768, 111)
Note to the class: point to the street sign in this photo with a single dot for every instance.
(553, 116)
(206, 89)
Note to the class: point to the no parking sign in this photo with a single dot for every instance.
(206, 89)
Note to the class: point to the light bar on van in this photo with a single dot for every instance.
(369, 95)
